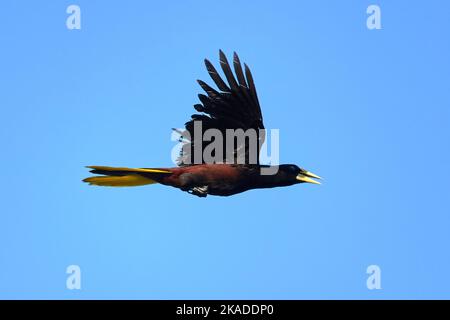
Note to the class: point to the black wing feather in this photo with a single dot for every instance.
(227, 71)
(236, 106)
(215, 76)
(251, 85)
(238, 70)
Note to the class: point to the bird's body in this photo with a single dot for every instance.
(236, 107)
(213, 179)
(224, 179)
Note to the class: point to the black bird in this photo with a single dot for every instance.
(235, 106)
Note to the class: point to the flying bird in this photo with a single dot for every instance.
(234, 106)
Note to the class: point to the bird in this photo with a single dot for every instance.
(234, 106)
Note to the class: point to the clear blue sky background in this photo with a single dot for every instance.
(369, 110)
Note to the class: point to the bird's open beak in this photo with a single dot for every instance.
(306, 176)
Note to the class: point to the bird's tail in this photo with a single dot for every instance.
(124, 177)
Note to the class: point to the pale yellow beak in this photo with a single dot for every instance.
(306, 176)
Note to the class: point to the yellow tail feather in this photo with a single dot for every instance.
(123, 177)
(131, 180)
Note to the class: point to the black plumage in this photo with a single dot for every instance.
(235, 106)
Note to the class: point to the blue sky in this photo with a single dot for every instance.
(368, 110)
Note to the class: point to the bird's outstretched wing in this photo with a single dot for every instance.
(234, 106)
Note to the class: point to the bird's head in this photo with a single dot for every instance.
(292, 174)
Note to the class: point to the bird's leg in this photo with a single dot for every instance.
(199, 191)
